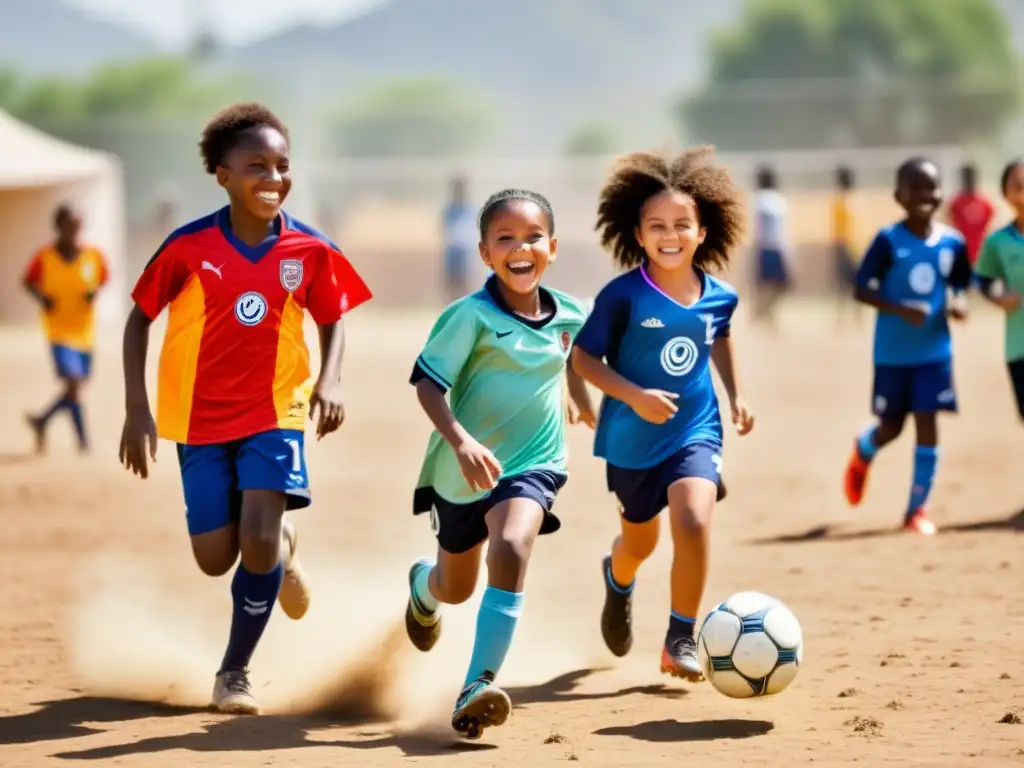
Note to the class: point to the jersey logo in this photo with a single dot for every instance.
(652, 322)
(502, 334)
(291, 274)
(922, 279)
(566, 339)
(902, 253)
(679, 356)
(946, 257)
(210, 268)
(250, 308)
(87, 271)
(709, 328)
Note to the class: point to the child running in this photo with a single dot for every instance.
(648, 345)
(1000, 273)
(65, 278)
(906, 274)
(497, 457)
(234, 387)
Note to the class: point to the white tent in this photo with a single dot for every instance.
(37, 173)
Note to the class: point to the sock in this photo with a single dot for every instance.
(614, 584)
(495, 625)
(58, 405)
(421, 591)
(254, 596)
(76, 416)
(866, 443)
(926, 457)
(680, 626)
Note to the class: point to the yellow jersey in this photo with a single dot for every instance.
(69, 284)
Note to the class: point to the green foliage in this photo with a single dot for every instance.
(591, 139)
(798, 74)
(410, 117)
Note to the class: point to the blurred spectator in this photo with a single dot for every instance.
(461, 239)
(971, 212)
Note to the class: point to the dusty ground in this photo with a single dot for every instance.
(912, 646)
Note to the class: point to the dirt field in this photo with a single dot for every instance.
(109, 636)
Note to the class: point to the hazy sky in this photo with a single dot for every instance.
(235, 20)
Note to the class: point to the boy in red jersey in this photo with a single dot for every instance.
(234, 386)
(971, 212)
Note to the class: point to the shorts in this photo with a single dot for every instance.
(903, 389)
(845, 269)
(71, 363)
(1016, 368)
(460, 527)
(771, 267)
(643, 493)
(214, 476)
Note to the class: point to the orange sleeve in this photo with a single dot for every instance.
(34, 271)
(335, 289)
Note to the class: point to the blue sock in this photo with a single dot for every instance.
(680, 626)
(614, 584)
(76, 416)
(926, 457)
(58, 405)
(866, 443)
(495, 625)
(254, 596)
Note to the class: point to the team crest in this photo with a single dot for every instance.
(565, 341)
(291, 274)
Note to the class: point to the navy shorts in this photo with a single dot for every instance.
(71, 363)
(643, 493)
(1016, 368)
(771, 267)
(214, 476)
(460, 527)
(845, 269)
(903, 389)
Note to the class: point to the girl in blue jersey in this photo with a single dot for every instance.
(648, 345)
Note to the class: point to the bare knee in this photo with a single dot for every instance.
(455, 590)
(888, 430)
(453, 579)
(216, 552)
(259, 535)
(639, 540)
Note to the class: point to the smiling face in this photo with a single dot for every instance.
(919, 192)
(670, 230)
(1014, 189)
(256, 172)
(518, 245)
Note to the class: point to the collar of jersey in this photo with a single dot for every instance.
(251, 253)
(704, 286)
(546, 297)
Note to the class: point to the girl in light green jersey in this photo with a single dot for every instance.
(1000, 275)
(497, 456)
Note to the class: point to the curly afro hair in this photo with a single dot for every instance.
(498, 200)
(639, 176)
(222, 132)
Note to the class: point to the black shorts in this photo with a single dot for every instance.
(1016, 368)
(460, 527)
(643, 493)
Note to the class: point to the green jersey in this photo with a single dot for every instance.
(1002, 258)
(504, 379)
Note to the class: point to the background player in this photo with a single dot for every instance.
(458, 228)
(235, 387)
(906, 274)
(647, 345)
(497, 457)
(844, 265)
(65, 278)
(971, 212)
(771, 244)
(1000, 273)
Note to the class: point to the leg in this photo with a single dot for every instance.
(1016, 370)
(933, 391)
(73, 394)
(890, 403)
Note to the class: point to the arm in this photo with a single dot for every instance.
(992, 278)
(139, 427)
(872, 271)
(959, 282)
(433, 402)
(579, 397)
(31, 283)
(589, 368)
(724, 363)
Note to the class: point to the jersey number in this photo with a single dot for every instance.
(296, 455)
(709, 329)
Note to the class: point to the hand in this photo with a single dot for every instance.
(655, 405)
(90, 297)
(47, 302)
(582, 413)
(914, 315)
(958, 312)
(742, 418)
(139, 428)
(479, 466)
(1011, 302)
(326, 398)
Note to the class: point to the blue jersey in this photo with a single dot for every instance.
(655, 342)
(907, 270)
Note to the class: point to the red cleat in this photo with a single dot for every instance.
(918, 522)
(856, 479)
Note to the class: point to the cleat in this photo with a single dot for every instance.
(232, 693)
(38, 431)
(294, 594)
(679, 659)
(422, 626)
(481, 705)
(856, 479)
(918, 522)
(617, 615)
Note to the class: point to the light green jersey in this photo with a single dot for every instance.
(1002, 258)
(504, 378)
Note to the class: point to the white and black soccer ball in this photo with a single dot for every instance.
(750, 645)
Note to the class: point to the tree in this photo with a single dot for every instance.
(590, 139)
(798, 74)
(410, 117)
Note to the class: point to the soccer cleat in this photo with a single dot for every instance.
(294, 594)
(856, 479)
(679, 659)
(918, 522)
(481, 705)
(232, 693)
(38, 431)
(617, 615)
(422, 626)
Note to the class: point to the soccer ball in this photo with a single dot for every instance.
(750, 645)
